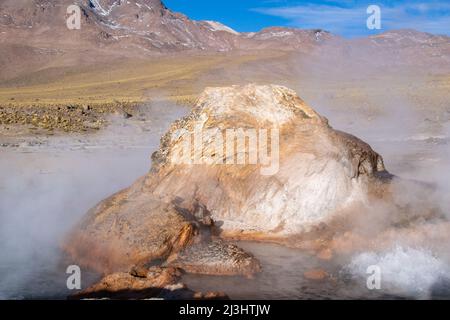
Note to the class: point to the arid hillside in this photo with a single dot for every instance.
(127, 53)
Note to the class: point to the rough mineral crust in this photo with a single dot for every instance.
(145, 283)
(317, 170)
(132, 228)
(292, 173)
(202, 258)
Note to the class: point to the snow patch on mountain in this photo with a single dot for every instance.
(217, 26)
(99, 9)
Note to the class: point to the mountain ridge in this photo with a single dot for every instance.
(33, 34)
(151, 26)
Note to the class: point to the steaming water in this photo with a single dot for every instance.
(43, 195)
(282, 278)
(47, 184)
(406, 274)
(406, 271)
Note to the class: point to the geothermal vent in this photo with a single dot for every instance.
(249, 161)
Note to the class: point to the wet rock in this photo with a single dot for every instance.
(156, 283)
(325, 254)
(215, 258)
(316, 274)
(130, 228)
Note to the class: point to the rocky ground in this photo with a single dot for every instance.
(64, 118)
(145, 283)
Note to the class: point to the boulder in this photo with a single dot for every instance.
(151, 283)
(250, 162)
(306, 172)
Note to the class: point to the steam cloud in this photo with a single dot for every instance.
(43, 193)
(45, 190)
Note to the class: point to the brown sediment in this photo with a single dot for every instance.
(316, 274)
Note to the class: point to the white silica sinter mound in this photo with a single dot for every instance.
(312, 175)
(404, 270)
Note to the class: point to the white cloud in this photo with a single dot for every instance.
(350, 20)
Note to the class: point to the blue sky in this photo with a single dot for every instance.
(344, 17)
